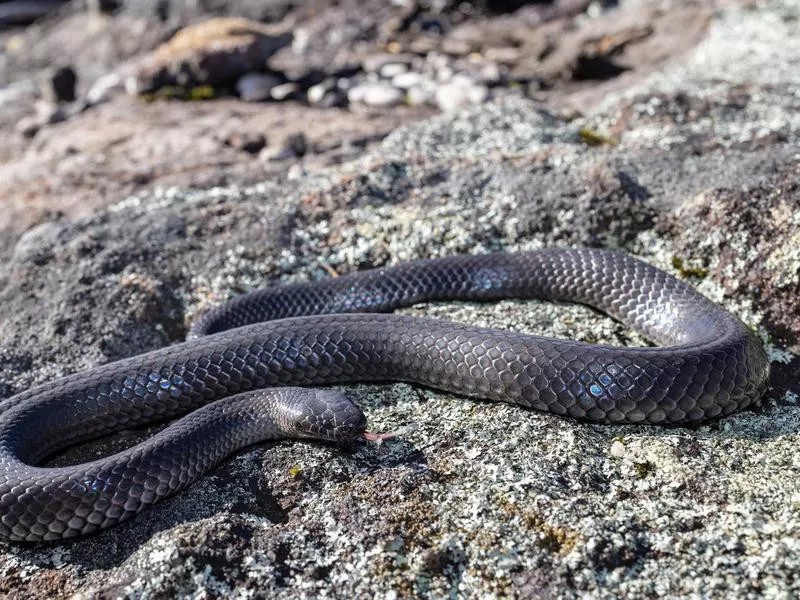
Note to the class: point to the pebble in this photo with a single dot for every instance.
(393, 69)
(477, 94)
(456, 46)
(252, 143)
(298, 142)
(284, 91)
(505, 54)
(379, 95)
(444, 74)
(376, 62)
(293, 146)
(422, 94)
(256, 87)
(617, 449)
(408, 80)
(492, 74)
(104, 88)
(453, 96)
(326, 94)
(316, 93)
(295, 172)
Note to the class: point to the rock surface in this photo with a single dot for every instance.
(474, 499)
(216, 52)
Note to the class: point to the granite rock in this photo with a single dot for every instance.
(695, 172)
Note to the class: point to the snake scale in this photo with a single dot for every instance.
(230, 375)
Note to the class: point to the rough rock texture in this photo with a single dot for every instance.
(474, 499)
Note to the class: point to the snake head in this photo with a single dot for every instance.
(326, 415)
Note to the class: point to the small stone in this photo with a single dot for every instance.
(451, 96)
(375, 62)
(462, 79)
(284, 91)
(298, 142)
(104, 88)
(379, 95)
(59, 85)
(390, 70)
(295, 172)
(302, 37)
(252, 143)
(316, 93)
(617, 449)
(444, 74)
(255, 87)
(506, 54)
(345, 84)
(326, 94)
(460, 92)
(456, 47)
(407, 80)
(294, 146)
(491, 74)
(477, 94)
(421, 94)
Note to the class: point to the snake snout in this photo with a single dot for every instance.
(330, 415)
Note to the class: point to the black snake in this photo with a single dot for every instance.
(707, 364)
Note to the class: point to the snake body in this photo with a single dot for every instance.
(707, 364)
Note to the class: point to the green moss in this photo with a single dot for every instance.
(558, 540)
(590, 137)
(171, 92)
(686, 271)
(202, 92)
(643, 469)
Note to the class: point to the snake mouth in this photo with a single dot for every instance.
(353, 427)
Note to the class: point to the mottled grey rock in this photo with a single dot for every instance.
(255, 87)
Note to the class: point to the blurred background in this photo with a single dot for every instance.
(103, 98)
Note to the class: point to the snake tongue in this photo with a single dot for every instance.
(378, 437)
